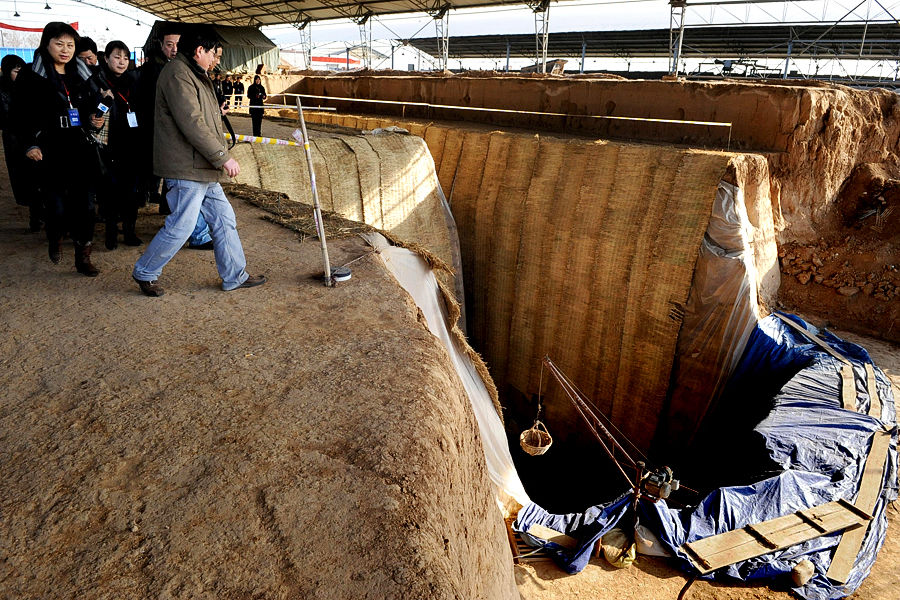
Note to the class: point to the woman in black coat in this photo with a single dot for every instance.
(51, 108)
(21, 179)
(256, 94)
(120, 137)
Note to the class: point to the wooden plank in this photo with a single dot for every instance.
(526, 553)
(848, 387)
(757, 539)
(551, 535)
(869, 491)
(812, 337)
(872, 388)
(511, 538)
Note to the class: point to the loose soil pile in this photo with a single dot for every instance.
(851, 276)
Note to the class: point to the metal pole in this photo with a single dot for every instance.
(787, 60)
(348, 60)
(676, 22)
(317, 211)
(507, 55)
(583, 52)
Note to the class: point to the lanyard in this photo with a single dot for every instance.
(68, 98)
(119, 94)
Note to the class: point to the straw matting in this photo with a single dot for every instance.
(583, 250)
(387, 181)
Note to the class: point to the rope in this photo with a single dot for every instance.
(582, 407)
(599, 412)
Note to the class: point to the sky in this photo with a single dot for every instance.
(121, 21)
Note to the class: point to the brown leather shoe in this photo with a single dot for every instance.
(252, 281)
(149, 288)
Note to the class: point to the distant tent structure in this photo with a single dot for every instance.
(243, 47)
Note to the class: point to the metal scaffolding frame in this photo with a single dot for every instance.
(441, 15)
(363, 20)
(541, 10)
(677, 11)
(304, 26)
(804, 47)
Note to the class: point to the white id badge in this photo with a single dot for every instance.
(132, 119)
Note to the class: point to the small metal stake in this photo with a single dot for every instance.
(317, 211)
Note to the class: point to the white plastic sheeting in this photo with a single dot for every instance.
(719, 317)
(418, 279)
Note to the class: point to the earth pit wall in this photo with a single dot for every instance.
(790, 150)
(812, 134)
(567, 249)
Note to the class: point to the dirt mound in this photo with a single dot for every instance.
(869, 203)
(290, 441)
(851, 276)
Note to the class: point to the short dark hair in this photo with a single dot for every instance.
(85, 44)
(198, 36)
(116, 45)
(10, 62)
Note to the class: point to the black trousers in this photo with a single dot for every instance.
(256, 115)
(68, 209)
(119, 195)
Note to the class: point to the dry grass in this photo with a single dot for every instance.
(295, 215)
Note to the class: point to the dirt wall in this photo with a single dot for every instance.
(532, 217)
(813, 134)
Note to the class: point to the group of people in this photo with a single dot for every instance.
(230, 88)
(80, 127)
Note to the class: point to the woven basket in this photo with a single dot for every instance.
(537, 440)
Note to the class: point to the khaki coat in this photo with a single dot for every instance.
(188, 140)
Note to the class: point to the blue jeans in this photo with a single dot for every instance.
(188, 200)
(201, 234)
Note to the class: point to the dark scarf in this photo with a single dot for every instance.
(39, 68)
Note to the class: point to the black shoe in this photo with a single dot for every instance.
(112, 237)
(54, 250)
(149, 288)
(207, 246)
(252, 281)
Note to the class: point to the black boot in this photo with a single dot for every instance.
(83, 260)
(112, 233)
(54, 246)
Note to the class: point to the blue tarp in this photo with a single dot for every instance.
(820, 448)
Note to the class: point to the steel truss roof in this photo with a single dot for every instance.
(277, 12)
(875, 41)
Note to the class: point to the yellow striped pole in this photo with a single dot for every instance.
(261, 140)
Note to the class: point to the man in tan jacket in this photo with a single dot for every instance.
(189, 152)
